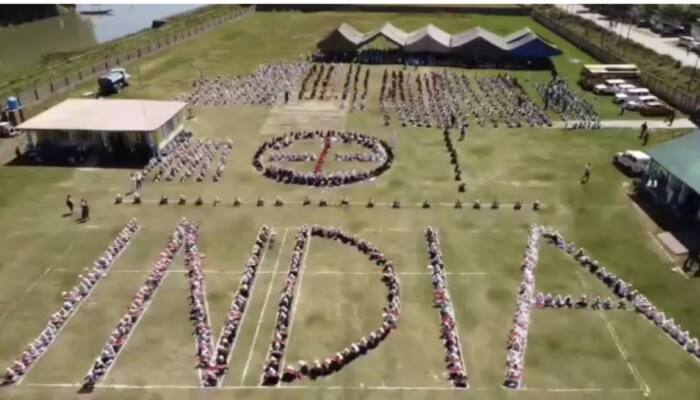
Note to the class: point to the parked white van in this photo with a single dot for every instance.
(630, 94)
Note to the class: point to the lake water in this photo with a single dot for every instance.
(23, 46)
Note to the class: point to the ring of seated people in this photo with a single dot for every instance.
(140, 302)
(448, 330)
(71, 301)
(625, 291)
(517, 338)
(329, 365)
(316, 178)
(216, 365)
(265, 87)
(186, 158)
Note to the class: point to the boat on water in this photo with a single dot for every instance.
(96, 12)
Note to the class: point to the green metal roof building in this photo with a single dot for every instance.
(674, 174)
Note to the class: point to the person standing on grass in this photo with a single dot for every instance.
(644, 129)
(586, 173)
(671, 117)
(394, 140)
(463, 131)
(84, 211)
(69, 204)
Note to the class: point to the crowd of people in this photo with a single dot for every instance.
(449, 99)
(448, 328)
(324, 80)
(548, 300)
(278, 345)
(517, 338)
(138, 306)
(290, 176)
(334, 363)
(352, 98)
(359, 157)
(575, 111)
(265, 87)
(71, 301)
(284, 156)
(217, 364)
(506, 100)
(626, 292)
(186, 158)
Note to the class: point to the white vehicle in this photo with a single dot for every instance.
(640, 102)
(634, 161)
(630, 95)
(686, 41)
(609, 87)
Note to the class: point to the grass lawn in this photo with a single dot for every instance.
(581, 354)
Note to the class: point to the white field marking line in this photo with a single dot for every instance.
(264, 307)
(275, 388)
(295, 303)
(620, 347)
(36, 281)
(114, 360)
(459, 341)
(319, 272)
(331, 272)
(77, 308)
(577, 390)
(138, 321)
(251, 292)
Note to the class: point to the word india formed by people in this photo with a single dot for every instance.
(213, 354)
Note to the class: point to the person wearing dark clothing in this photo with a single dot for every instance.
(671, 117)
(69, 204)
(644, 129)
(645, 138)
(84, 211)
(463, 132)
(586, 174)
(286, 97)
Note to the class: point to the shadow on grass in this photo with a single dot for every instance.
(92, 162)
(685, 230)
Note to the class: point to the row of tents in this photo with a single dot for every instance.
(523, 43)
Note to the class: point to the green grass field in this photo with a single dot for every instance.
(571, 354)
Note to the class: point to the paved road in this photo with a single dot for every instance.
(643, 36)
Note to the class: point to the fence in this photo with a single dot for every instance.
(41, 92)
(686, 102)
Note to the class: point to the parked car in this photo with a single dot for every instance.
(655, 109)
(113, 81)
(640, 102)
(630, 95)
(687, 41)
(633, 161)
(609, 86)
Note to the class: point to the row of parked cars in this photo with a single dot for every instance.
(632, 97)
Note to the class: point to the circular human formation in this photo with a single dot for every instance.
(379, 151)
